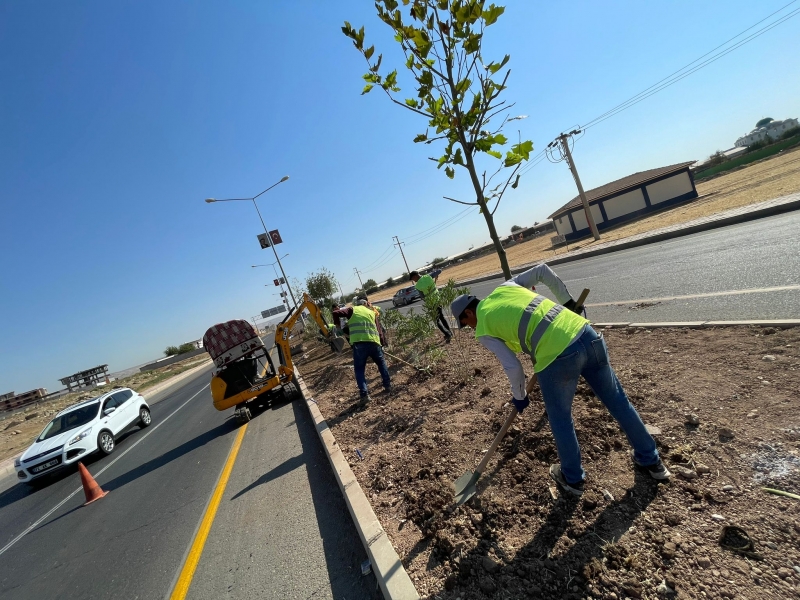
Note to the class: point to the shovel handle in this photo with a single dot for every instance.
(498, 438)
(582, 298)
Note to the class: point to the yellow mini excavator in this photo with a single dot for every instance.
(245, 370)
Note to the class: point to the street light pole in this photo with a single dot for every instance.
(266, 231)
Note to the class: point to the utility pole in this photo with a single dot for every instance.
(357, 272)
(564, 139)
(340, 290)
(399, 244)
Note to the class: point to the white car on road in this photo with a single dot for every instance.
(80, 430)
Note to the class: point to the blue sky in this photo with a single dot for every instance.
(118, 119)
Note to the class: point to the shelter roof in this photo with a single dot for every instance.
(631, 181)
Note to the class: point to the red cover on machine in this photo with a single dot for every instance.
(229, 341)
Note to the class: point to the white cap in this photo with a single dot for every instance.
(459, 304)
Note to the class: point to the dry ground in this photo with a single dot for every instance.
(18, 430)
(628, 537)
(757, 182)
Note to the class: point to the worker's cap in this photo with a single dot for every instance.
(362, 302)
(459, 304)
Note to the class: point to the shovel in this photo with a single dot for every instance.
(465, 485)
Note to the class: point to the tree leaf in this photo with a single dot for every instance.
(369, 52)
(450, 172)
(412, 102)
(516, 183)
(422, 137)
(491, 15)
(367, 88)
(472, 43)
(523, 149)
(494, 153)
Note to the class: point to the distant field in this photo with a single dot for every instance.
(748, 158)
(769, 178)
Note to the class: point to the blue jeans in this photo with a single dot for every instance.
(588, 356)
(361, 352)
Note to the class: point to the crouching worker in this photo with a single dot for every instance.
(366, 343)
(563, 346)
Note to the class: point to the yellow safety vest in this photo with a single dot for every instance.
(528, 322)
(362, 326)
(426, 285)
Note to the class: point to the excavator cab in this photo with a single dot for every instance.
(245, 370)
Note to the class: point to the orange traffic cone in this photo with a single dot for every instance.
(90, 488)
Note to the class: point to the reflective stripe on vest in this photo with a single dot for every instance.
(362, 326)
(527, 322)
(540, 328)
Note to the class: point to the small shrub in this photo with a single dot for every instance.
(789, 133)
(187, 347)
(171, 351)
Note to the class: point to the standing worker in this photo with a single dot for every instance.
(427, 287)
(366, 344)
(563, 346)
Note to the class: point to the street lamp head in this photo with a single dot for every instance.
(210, 200)
(284, 178)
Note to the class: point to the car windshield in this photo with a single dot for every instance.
(71, 420)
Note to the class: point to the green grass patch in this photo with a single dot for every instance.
(748, 158)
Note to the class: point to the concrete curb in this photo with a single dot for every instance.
(768, 211)
(7, 466)
(697, 324)
(389, 571)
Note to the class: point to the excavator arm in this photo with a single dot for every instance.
(284, 330)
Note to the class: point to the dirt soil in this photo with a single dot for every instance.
(18, 429)
(726, 405)
(759, 181)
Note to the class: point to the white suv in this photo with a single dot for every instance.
(82, 429)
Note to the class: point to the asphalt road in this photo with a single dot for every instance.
(282, 529)
(728, 273)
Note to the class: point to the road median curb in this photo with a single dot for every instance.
(386, 565)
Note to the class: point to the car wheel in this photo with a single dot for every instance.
(105, 442)
(144, 417)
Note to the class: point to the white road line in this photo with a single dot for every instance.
(96, 475)
(781, 288)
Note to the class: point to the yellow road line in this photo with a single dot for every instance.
(196, 551)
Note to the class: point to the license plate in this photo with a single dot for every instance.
(43, 466)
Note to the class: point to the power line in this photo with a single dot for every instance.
(382, 263)
(680, 74)
(389, 249)
(413, 237)
(463, 214)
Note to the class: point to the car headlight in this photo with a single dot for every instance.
(79, 437)
(17, 462)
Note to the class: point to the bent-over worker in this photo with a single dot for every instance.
(366, 343)
(427, 287)
(563, 346)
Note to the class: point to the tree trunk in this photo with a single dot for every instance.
(498, 247)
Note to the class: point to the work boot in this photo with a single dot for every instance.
(657, 470)
(575, 489)
(364, 400)
(447, 339)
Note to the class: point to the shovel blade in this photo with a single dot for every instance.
(338, 344)
(465, 487)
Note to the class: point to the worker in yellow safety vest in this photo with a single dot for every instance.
(563, 346)
(366, 343)
(426, 286)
